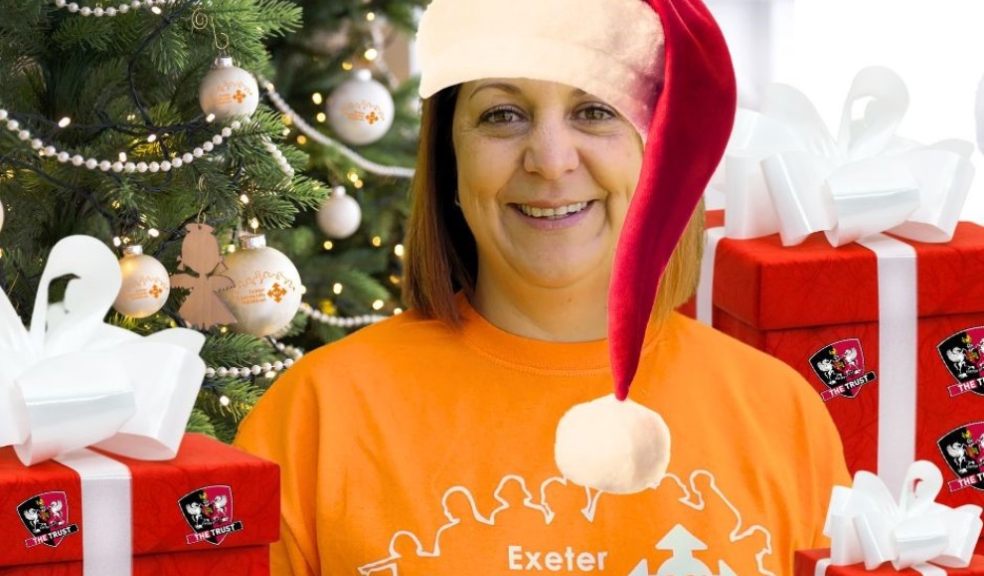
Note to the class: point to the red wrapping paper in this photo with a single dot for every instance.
(242, 561)
(806, 562)
(160, 526)
(798, 302)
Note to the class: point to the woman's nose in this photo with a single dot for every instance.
(551, 149)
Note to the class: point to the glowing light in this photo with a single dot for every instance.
(244, 198)
(398, 250)
(302, 139)
(329, 244)
(337, 288)
(64, 121)
(317, 98)
(378, 305)
(371, 54)
(153, 232)
(346, 66)
(377, 241)
(321, 117)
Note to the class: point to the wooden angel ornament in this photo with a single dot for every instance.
(202, 266)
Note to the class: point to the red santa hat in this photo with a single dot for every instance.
(663, 64)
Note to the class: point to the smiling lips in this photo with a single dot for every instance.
(552, 213)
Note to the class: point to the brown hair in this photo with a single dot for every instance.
(441, 257)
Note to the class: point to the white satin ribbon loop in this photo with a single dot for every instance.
(785, 173)
(72, 381)
(866, 524)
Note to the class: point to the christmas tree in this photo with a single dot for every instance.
(359, 123)
(103, 131)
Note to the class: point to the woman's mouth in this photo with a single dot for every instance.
(552, 213)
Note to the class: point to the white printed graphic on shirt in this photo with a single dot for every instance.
(679, 541)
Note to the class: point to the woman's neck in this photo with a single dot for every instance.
(573, 314)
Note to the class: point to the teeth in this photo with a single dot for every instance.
(553, 213)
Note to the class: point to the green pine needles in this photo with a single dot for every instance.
(128, 87)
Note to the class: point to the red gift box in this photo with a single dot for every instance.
(808, 305)
(805, 564)
(213, 509)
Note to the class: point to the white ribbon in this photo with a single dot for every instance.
(107, 544)
(866, 524)
(979, 114)
(897, 352)
(705, 285)
(73, 381)
(785, 173)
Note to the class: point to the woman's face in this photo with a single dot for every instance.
(545, 175)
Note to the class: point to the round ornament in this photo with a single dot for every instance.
(146, 285)
(360, 110)
(228, 91)
(339, 216)
(267, 287)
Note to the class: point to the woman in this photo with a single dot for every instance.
(563, 152)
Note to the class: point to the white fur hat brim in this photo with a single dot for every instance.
(611, 49)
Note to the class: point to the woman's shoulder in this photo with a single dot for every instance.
(398, 334)
(729, 358)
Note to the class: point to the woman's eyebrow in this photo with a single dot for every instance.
(505, 87)
(513, 89)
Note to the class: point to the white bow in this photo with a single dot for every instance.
(73, 381)
(865, 524)
(785, 173)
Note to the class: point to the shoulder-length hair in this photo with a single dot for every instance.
(441, 256)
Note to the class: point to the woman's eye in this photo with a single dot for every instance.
(595, 113)
(501, 116)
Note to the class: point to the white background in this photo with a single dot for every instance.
(937, 46)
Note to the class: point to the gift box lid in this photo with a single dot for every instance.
(806, 561)
(771, 287)
(210, 496)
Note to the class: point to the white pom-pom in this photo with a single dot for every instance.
(612, 446)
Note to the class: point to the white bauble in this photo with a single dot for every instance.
(360, 110)
(267, 287)
(146, 284)
(339, 216)
(228, 91)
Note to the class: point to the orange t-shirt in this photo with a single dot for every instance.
(409, 448)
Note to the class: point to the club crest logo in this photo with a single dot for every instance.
(45, 516)
(840, 366)
(963, 355)
(208, 511)
(963, 450)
